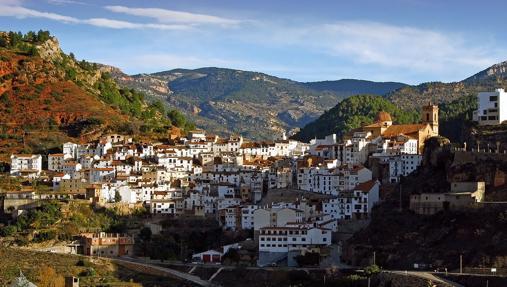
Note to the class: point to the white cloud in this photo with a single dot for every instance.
(117, 24)
(65, 2)
(404, 47)
(171, 16)
(22, 12)
(443, 55)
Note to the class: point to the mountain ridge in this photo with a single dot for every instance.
(254, 104)
(457, 101)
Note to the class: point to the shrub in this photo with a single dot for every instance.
(8, 230)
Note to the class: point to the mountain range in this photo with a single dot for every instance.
(256, 105)
(456, 100)
(260, 106)
(47, 97)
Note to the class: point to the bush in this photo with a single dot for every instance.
(8, 230)
(83, 263)
(89, 272)
(371, 270)
(45, 236)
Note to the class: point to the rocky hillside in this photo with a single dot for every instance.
(48, 97)
(436, 92)
(253, 104)
(456, 101)
(402, 238)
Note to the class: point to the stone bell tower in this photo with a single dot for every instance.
(429, 115)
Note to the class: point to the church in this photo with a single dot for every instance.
(428, 127)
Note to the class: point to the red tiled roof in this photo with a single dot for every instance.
(395, 130)
(366, 186)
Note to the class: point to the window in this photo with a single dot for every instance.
(492, 118)
(493, 98)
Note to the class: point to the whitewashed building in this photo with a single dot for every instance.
(492, 107)
(29, 165)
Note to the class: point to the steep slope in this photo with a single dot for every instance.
(496, 71)
(351, 113)
(47, 97)
(407, 238)
(436, 92)
(457, 101)
(228, 101)
(350, 87)
(253, 104)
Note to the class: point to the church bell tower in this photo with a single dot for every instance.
(429, 115)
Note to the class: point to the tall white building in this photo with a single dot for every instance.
(492, 107)
(403, 165)
(28, 165)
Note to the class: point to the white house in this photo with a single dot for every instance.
(492, 107)
(26, 165)
(285, 239)
(403, 165)
(276, 217)
(247, 216)
(358, 202)
(101, 174)
(70, 150)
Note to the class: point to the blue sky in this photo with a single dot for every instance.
(411, 41)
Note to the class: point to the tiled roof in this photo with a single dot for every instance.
(366, 186)
(395, 130)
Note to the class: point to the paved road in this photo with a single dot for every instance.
(171, 272)
(425, 275)
(140, 266)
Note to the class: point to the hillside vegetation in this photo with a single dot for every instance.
(48, 97)
(457, 101)
(351, 113)
(256, 105)
(350, 87)
(439, 239)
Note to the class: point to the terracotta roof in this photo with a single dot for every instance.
(374, 125)
(366, 186)
(395, 130)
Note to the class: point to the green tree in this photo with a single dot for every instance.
(176, 118)
(371, 270)
(43, 36)
(117, 196)
(145, 234)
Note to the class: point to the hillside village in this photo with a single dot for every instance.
(296, 197)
